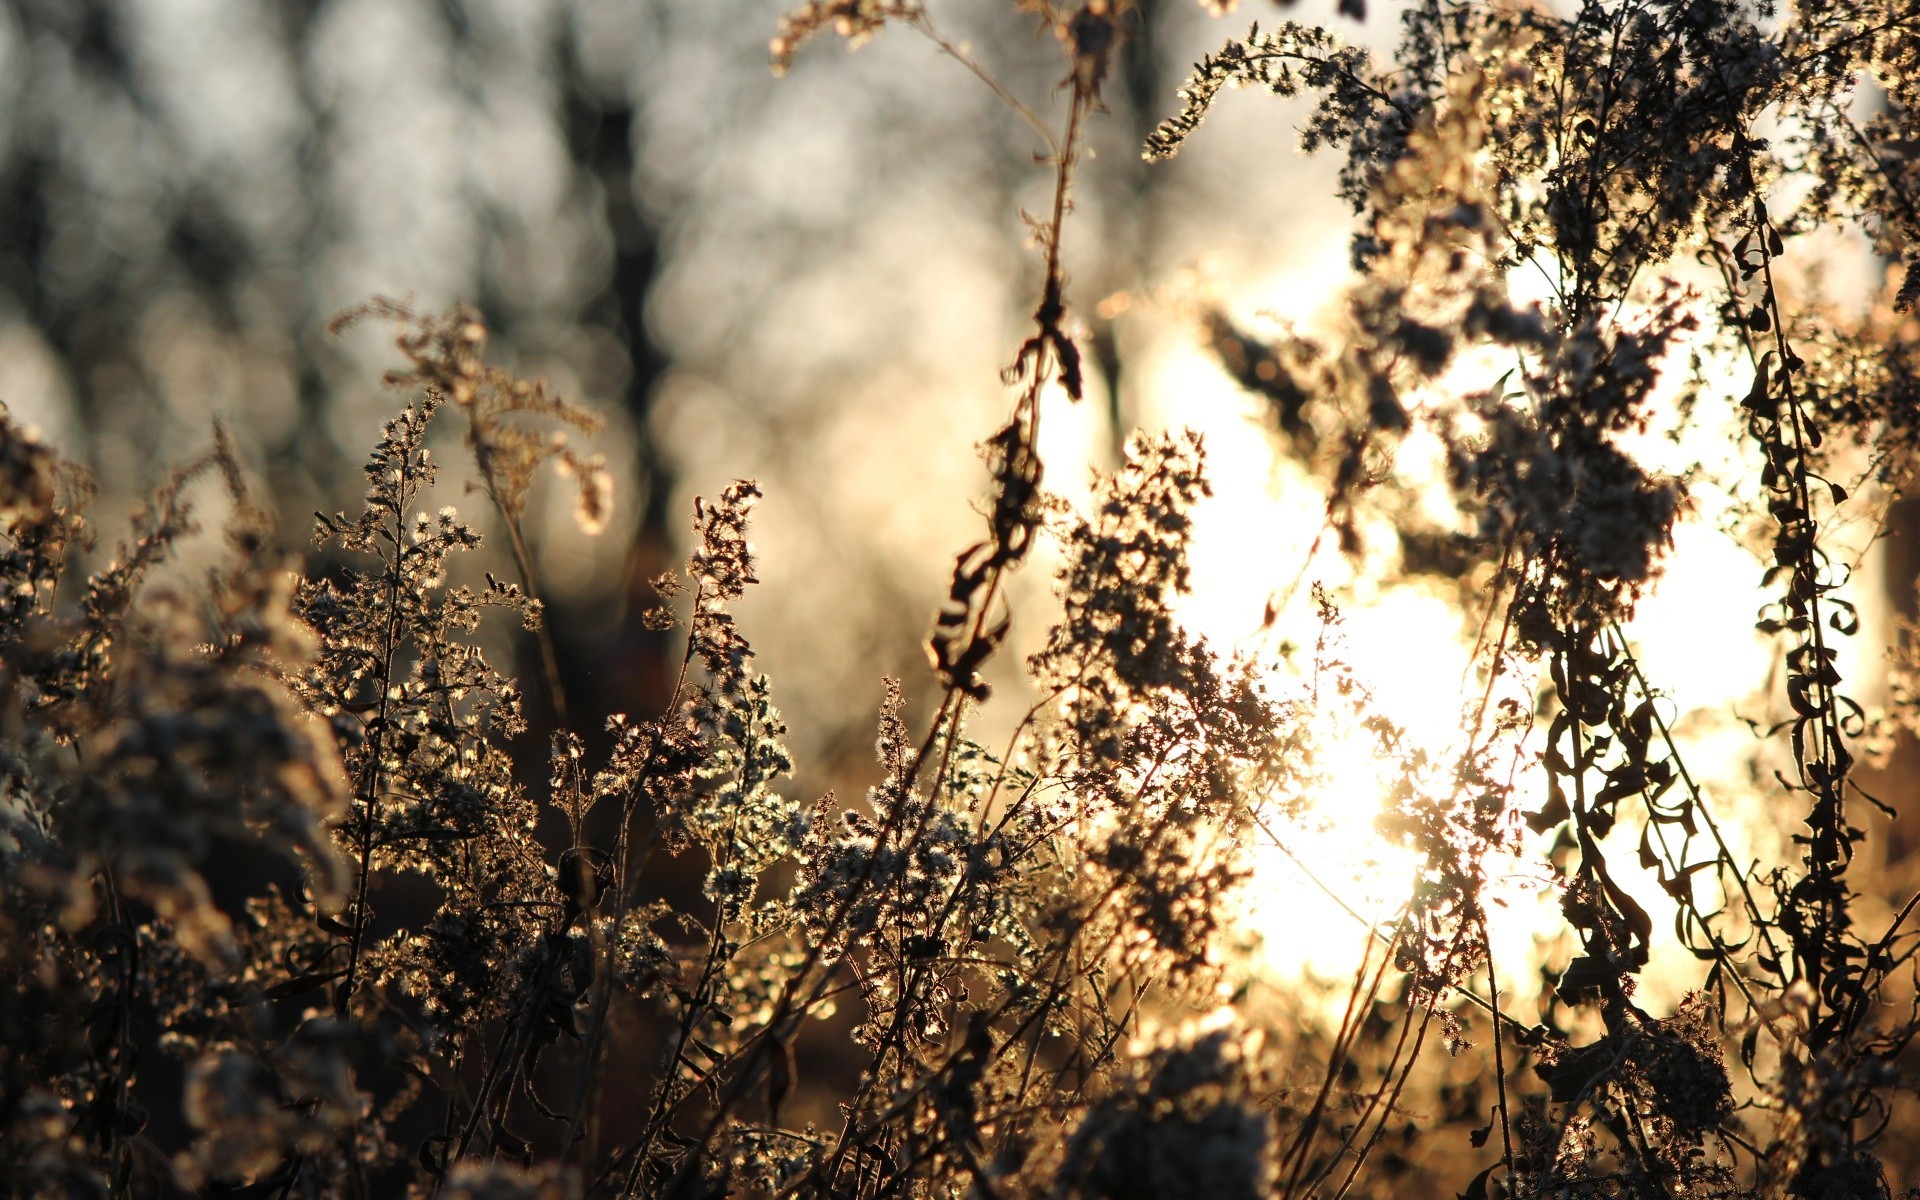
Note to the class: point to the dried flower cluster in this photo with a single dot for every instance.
(1655, 165)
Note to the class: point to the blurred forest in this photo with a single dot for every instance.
(642, 214)
(1395, 665)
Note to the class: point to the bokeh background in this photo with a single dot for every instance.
(813, 281)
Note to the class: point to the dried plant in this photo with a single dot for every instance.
(280, 918)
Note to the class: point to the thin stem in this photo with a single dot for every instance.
(1499, 1059)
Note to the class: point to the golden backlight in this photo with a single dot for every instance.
(1321, 879)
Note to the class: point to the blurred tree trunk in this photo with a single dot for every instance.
(1898, 782)
(601, 133)
(1138, 96)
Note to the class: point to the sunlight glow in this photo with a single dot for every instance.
(1327, 874)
